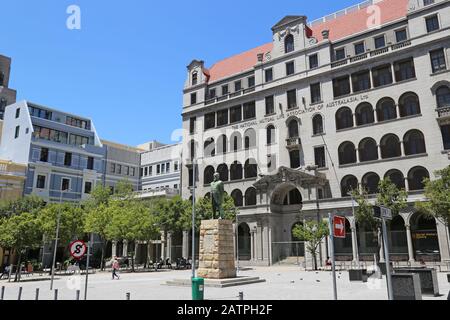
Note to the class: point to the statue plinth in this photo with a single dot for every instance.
(216, 250)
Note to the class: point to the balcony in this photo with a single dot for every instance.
(293, 143)
(228, 96)
(444, 115)
(374, 53)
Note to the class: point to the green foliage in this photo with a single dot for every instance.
(20, 231)
(313, 233)
(29, 204)
(438, 196)
(71, 221)
(169, 213)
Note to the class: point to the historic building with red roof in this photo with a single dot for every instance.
(327, 107)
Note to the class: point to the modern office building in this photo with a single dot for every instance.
(7, 95)
(326, 107)
(63, 153)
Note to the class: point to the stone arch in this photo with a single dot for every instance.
(347, 153)
(364, 114)
(250, 169)
(414, 142)
(293, 125)
(235, 141)
(425, 237)
(237, 198)
(208, 175)
(270, 134)
(416, 177)
(368, 150)
(390, 146)
(244, 242)
(370, 182)
(250, 197)
(348, 184)
(223, 172)
(222, 144)
(409, 104)
(250, 139)
(210, 147)
(386, 109)
(396, 177)
(344, 118)
(236, 171)
(318, 125)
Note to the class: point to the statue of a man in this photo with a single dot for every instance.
(217, 196)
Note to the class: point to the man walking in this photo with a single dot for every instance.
(115, 269)
(5, 272)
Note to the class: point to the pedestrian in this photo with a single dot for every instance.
(115, 269)
(5, 272)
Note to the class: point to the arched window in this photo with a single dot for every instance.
(390, 147)
(370, 182)
(409, 104)
(416, 177)
(344, 118)
(317, 124)
(386, 110)
(236, 171)
(347, 153)
(223, 172)
(238, 198)
(293, 129)
(396, 178)
(414, 142)
(293, 197)
(210, 148)
(443, 96)
(368, 150)
(270, 131)
(250, 139)
(208, 175)
(222, 144)
(364, 114)
(294, 156)
(194, 78)
(348, 184)
(251, 169)
(250, 197)
(289, 44)
(236, 142)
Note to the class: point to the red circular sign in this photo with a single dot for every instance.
(77, 249)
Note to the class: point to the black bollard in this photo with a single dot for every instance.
(448, 297)
(2, 295)
(56, 294)
(20, 294)
(37, 294)
(78, 295)
(241, 296)
(128, 296)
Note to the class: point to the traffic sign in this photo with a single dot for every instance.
(380, 212)
(78, 249)
(339, 227)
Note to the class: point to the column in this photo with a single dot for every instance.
(163, 246)
(235, 243)
(186, 244)
(113, 248)
(357, 156)
(410, 243)
(125, 248)
(150, 253)
(169, 246)
(354, 242)
(406, 184)
(402, 147)
(252, 245)
(442, 232)
(381, 247)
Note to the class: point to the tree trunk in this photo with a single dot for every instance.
(18, 269)
(102, 261)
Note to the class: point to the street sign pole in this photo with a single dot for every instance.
(387, 259)
(193, 215)
(56, 247)
(333, 260)
(87, 266)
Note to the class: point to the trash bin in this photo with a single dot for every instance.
(198, 286)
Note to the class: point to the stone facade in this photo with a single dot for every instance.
(216, 250)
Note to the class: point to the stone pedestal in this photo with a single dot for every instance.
(406, 286)
(216, 250)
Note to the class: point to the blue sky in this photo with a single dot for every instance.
(126, 67)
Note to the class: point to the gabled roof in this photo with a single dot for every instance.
(287, 20)
(340, 27)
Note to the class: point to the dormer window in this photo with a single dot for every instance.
(194, 78)
(289, 44)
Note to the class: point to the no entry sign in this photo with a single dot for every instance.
(78, 249)
(339, 227)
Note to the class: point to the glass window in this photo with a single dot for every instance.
(17, 113)
(44, 155)
(194, 78)
(339, 54)
(90, 163)
(380, 42)
(270, 105)
(341, 86)
(40, 182)
(222, 117)
(292, 99)
(210, 120)
(249, 110)
(404, 70)
(289, 44)
(87, 187)
(313, 61)
(382, 75)
(16, 134)
(361, 81)
(269, 74)
(359, 48)
(238, 85)
(290, 68)
(251, 82)
(319, 155)
(212, 93)
(68, 159)
(192, 125)
(65, 184)
(432, 23)
(316, 96)
(194, 98)
(401, 35)
(225, 90)
(235, 114)
(438, 60)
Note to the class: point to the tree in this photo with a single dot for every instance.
(20, 232)
(389, 196)
(313, 233)
(29, 204)
(71, 225)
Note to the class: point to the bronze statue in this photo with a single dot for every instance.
(217, 196)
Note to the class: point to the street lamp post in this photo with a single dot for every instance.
(193, 215)
(56, 238)
(355, 234)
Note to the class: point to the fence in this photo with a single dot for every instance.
(288, 252)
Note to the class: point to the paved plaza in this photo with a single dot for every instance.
(283, 283)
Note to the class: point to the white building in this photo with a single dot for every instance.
(327, 106)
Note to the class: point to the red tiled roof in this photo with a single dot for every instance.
(341, 27)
